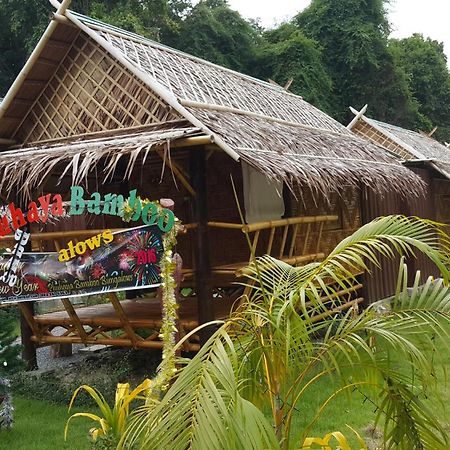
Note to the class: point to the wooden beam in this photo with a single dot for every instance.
(288, 84)
(203, 286)
(56, 43)
(27, 330)
(358, 115)
(123, 319)
(75, 319)
(47, 61)
(4, 141)
(35, 83)
(120, 132)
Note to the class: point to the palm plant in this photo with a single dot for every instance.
(244, 386)
(112, 422)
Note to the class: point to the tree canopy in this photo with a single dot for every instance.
(424, 65)
(338, 54)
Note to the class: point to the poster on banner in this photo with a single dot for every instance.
(131, 260)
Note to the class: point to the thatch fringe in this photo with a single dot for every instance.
(29, 167)
(323, 161)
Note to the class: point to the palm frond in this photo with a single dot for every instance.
(203, 408)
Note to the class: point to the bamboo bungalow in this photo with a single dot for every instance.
(424, 156)
(418, 151)
(99, 106)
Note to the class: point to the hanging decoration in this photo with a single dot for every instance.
(168, 332)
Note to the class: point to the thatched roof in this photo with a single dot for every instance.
(275, 131)
(80, 158)
(409, 145)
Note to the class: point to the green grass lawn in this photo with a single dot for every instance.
(355, 410)
(40, 426)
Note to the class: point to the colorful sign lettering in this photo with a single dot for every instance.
(79, 248)
(9, 277)
(18, 220)
(115, 205)
(110, 267)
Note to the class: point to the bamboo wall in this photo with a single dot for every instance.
(346, 207)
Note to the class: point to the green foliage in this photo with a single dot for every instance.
(39, 426)
(353, 35)
(424, 64)
(287, 53)
(103, 373)
(155, 19)
(214, 32)
(10, 361)
(268, 355)
(21, 25)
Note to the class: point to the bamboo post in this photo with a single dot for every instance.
(75, 319)
(28, 347)
(203, 285)
(123, 319)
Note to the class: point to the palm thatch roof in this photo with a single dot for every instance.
(275, 131)
(80, 158)
(408, 145)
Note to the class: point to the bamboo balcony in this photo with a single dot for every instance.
(294, 240)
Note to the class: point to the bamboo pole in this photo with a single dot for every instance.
(244, 112)
(203, 286)
(225, 225)
(123, 318)
(4, 141)
(289, 221)
(178, 172)
(336, 310)
(61, 7)
(48, 340)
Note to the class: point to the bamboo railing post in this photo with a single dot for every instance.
(293, 239)
(75, 319)
(123, 319)
(271, 238)
(283, 241)
(319, 237)
(203, 286)
(305, 242)
(27, 329)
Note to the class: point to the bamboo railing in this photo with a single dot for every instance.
(295, 240)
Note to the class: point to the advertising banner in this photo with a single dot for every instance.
(108, 262)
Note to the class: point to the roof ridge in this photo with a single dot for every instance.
(144, 40)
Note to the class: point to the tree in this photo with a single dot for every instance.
(9, 363)
(9, 352)
(287, 53)
(22, 24)
(211, 30)
(354, 36)
(283, 340)
(424, 64)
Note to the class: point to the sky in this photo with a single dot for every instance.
(429, 17)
